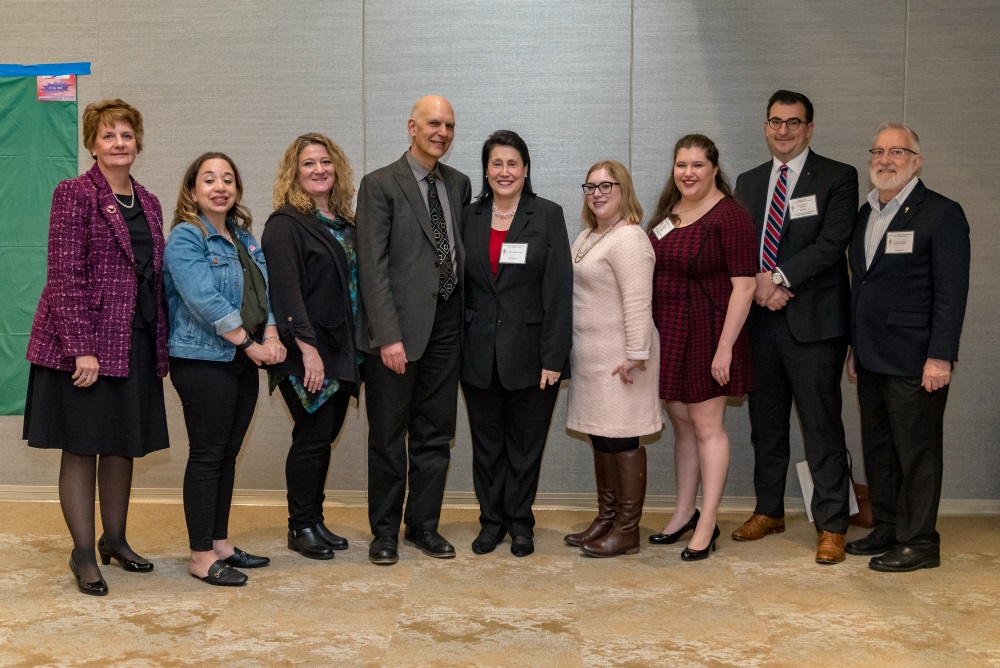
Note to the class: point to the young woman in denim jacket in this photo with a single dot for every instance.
(221, 331)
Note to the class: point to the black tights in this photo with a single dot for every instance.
(612, 446)
(113, 475)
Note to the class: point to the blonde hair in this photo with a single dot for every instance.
(631, 210)
(187, 210)
(286, 184)
(110, 112)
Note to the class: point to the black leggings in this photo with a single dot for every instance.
(612, 446)
(218, 400)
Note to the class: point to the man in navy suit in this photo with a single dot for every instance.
(804, 208)
(910, 279)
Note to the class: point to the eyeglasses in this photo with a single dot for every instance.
(894, 152)
(604, 186)
(792, 123)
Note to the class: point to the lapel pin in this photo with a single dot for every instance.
(110, 208)
(906, 210)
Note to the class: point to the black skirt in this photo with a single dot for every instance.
(114, 416)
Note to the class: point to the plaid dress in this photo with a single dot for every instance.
(691, 289)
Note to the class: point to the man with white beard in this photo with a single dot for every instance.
(909, 262)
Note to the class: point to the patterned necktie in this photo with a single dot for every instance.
(775, 218)
(446, 269)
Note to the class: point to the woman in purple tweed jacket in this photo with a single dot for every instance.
(98, 347)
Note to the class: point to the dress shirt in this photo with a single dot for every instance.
(795, 166)
(880, 217)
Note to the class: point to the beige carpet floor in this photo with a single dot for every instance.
(756, 604)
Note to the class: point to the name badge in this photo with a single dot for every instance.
(800, 207)
(899, 242)
(513, 253)
(663, 229)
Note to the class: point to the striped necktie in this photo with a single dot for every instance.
(775, 219)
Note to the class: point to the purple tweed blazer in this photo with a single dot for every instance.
(89, 298)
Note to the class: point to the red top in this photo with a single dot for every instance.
(497, 237)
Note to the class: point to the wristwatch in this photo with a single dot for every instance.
(777, 278)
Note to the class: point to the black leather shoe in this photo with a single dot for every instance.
(671, 538)
(333, 540)
(870, 545)
(697, 555)
(241, 559)
(99, 588)
(108, 553)
(309, 543)
(223, 575)
(383, 550)
(903, 559)
(522, 546)
(486, 542)
(430, 543)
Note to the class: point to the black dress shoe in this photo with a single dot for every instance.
(333, 540)
(383, 551)
(522, 546)
(223, 575)
(903, 559)
(99, 588)
(241, 559)
(697, 555)
(671, 538)
(108, 553)
(870, 545)
(486, 542)
(309, 543)
(430, 543)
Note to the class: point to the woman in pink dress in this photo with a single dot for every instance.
(703, 284)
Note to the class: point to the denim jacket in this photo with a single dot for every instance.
(204, 285)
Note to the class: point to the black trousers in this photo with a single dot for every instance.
(308, 459)
(508, 429)
(902, 437)
(411, 422)
(218, 399)
(809, 373)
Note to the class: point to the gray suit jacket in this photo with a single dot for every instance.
(396, 255)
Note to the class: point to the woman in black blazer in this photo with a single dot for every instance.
(517, 335)
(313, 272)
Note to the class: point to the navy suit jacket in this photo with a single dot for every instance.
(908, 307)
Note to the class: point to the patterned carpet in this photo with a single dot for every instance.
(751, 604)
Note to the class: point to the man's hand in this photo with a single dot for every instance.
(394, 356)
(937, 374)
(779, 298)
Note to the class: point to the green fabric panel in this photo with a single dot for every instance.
(38, 149)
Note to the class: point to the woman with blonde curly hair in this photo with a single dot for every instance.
(310, 242)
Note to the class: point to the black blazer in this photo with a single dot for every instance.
(811, 252)
(524, 318)
(310, 293)
(909, 307)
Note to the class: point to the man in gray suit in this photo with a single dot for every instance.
(410, 261)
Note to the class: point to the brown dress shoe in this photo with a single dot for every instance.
(830, 548)
(759, 526)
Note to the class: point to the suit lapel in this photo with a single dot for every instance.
(902, 220)
(804, 185)
(479, 235)
(408, 184)
(109, 209)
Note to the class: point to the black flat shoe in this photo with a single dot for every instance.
(99, 588)
(486, 542)
(108, 553)
(522, 546)
(697, 555)
(241, 559)
(871, 545)
(309, 543)
(333, 540)
(223, 575)
(671, 538)
(430, 543)
(383, 551)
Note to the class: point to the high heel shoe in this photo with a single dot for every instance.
(99, 588)
(671, 538)
(108, 553)
(697, 555)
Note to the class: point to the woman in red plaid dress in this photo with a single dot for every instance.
(703, 284)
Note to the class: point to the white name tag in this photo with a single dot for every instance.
(800, 207)
(513, 253)
(899, 242)
(663, 229)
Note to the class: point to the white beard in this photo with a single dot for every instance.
(889, 180)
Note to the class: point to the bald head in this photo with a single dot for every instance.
(431, 127)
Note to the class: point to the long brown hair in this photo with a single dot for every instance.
(286, 184)
(670, 195)
(187, 210)
(630, 210)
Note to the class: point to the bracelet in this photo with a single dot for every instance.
(273, 336)
(246, 343)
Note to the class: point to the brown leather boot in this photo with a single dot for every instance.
(604, 472)
(630, 479)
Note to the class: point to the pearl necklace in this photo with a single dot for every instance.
(123, 204)
(503, 214)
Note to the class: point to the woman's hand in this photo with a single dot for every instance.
(548, 378)
(625, 368)
(275, 348)
(720, 364)
(258, 354)
(86, 371)
(313, 364)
